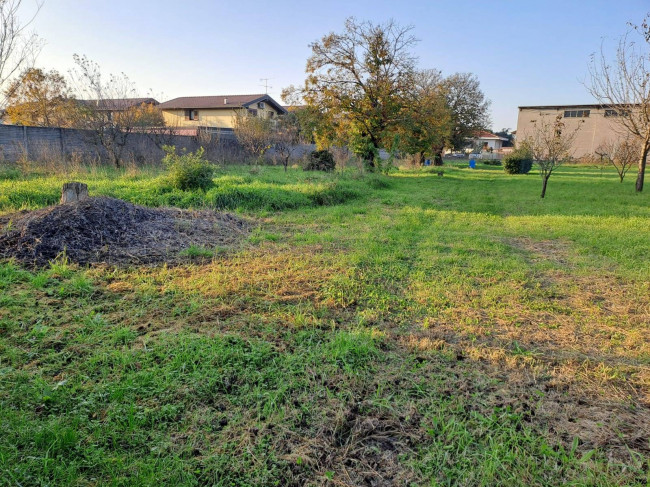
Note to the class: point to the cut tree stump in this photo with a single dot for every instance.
(74, 192)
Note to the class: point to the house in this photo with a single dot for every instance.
(111, 106)
(488, 141)
(191, 113)
(596, 124)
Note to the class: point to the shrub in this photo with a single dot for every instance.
(519, 161)
(320, 160)
(188, 170)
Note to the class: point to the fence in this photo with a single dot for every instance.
(37, 143)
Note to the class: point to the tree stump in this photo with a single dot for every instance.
(74, 192)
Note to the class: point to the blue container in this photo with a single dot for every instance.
(427, 162)
(472, 164)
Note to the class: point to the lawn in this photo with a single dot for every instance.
(410, 329)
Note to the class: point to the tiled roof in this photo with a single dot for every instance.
(118, 103)
(484, 134)
(220, 101)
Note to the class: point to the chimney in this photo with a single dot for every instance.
(225, 101)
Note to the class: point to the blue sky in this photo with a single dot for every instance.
(525, 52)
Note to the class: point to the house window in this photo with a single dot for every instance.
(576, 113)
(252, 112)
(271, 114)
(191, 114)
(615, 113)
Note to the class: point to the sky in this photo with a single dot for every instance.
(524, 52)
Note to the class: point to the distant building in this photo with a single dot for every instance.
(488, 141)
(597, 124)
(111, 106)
(191, 113)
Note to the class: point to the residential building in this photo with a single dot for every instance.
(111, 106)
(595, 124)
(488, 141)
(217, 112)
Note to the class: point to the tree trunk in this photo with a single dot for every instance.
(642, 162)
(544, 183)
(73, 192)
(437, 157)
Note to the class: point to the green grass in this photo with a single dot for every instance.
(234, 189)
(423, 329)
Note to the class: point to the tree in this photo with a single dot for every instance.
(253, 133)
(624, 85)
(111, 110)
(469, 110)
(286, 137)
(427, 118)
(550, 145)
(506, 134)
(360, 76)
(18, 47)
(622, 154)
(41, 99)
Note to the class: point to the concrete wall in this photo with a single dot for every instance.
(38, 143)
(593, 130)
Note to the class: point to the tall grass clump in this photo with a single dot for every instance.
(188, 170)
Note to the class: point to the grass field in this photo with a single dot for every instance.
(410, 329)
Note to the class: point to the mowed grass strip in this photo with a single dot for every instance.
(431, 330)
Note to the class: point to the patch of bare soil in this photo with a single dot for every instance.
(363, 450)
(550, 400)
(570, 351)
(109, 230)
(555, 251)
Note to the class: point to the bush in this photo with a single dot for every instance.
(519, 161)
(188, 170)
(320, 160)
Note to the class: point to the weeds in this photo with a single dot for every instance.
(426, 331)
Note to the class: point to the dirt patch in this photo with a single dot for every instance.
(109, 230)
(553, 399)
(555, 251)
(356, 449)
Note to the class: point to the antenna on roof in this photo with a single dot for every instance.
(266, 84)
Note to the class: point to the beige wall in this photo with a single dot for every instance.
(222, 118)
(593, 130)
(212, 117)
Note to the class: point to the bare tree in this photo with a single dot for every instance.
(550, 145)
(286, 137)
(111, 110)
(18, 47)
(253, 133)
(622, 154)
(624, 85)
